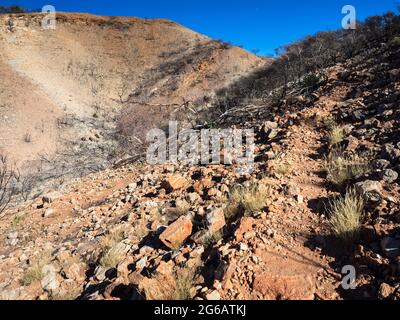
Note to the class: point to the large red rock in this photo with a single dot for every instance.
(177, 233)
(174, 182)
(202, 184)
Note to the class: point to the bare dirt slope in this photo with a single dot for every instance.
(89, 65)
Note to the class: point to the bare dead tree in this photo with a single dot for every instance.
(7, 187)
(26, 183)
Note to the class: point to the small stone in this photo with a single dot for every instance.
(165, 268)
(246, 224)
(141, 264)
(370, 190)
(381, 164)
(48, 212)
(132, 186)
(75, 271)
(300, 199)
(213, 295)
(193, 197)
(51, 197)
(390, 247)
(50, 280)
(12, 235)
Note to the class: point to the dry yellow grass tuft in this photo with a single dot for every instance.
(175, 287)
(335, 134)
(282, 167)
(35, 273)
(246, 200)
(341, 168)
(346, 216)
(111, 253)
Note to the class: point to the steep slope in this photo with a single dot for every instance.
(101, 238)
(89, 66)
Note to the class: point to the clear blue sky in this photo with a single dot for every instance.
(261, 24)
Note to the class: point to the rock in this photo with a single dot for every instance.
(370, 190)
(174, 182)
(213, 295)
(75, 272)
(204, 183)
(300, 199)
(389, 176)
(280, 287)
(201, 236)
(141, 263)
(51, 197)
(381, 164)
(50, 280)
(291, 190)
(390, 247)
(176, 233)
(273, 133)
(48, 212)
(367, 234)
(390, 153)
(12, 235)
(270, 129)
(131, 187)
(165, 268)
(246, 224)
(352, 143)
(269, 125)
(215, 220)
(123, 267)
(12, 238)
(358, 115)
(385, 291)
(193, 197)
(100, 273)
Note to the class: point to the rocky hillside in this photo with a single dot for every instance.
(324, 194)
(63, 90)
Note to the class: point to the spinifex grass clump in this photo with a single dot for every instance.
(341, 168)
(35, 271)
(111, 253)
(176, 286)
(345, 216)
(245, 200)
